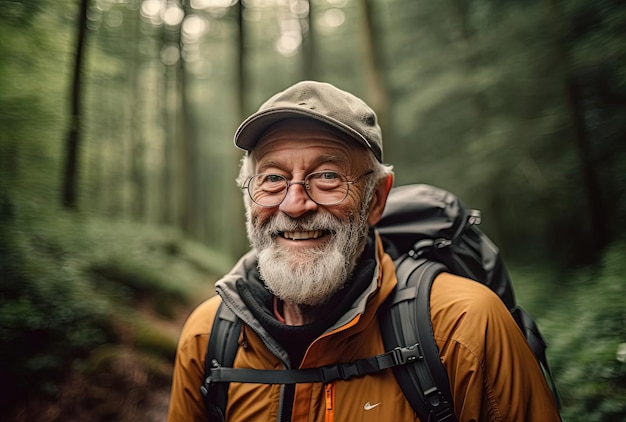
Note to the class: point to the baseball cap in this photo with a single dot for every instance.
(320, 101)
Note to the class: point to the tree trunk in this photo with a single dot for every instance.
(309, 47)
(599, 232)
(599, 235)
(70, 181)
(136, 118)
(188, 155)
(465, 37)
(378, 96)
(242, 82)
(170, 108)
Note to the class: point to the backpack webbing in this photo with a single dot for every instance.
(222, 348)
(406, 318)
(342, 371)
(219, 361)
(538, 346)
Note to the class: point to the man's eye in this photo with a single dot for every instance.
(273, 178)
(328, 175)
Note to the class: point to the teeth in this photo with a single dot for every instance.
(303, 235)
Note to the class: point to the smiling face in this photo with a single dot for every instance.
(307, 251)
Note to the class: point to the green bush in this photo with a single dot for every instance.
(585, 325)
(48, 317)
(71, 284)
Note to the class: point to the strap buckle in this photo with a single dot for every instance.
(344, 371)
(209, 380)
(438, 405)
(406, 354)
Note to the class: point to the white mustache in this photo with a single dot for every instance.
(308, 227)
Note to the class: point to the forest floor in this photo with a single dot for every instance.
(122, 383)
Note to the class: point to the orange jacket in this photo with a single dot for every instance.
(493, 374)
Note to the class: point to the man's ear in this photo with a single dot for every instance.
(381, 192)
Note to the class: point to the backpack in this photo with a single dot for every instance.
(426, 231)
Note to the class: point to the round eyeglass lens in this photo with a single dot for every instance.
(267, 189)
(327, 188)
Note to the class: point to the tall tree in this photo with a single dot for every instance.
(240, 66)
(70, 180)
(565, 37)
(188, 154)
(136, 118)
(372, 46)
(309, 44)
(169, 107)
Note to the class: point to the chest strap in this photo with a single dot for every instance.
(342, 371)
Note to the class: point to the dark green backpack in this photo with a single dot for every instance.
(426, 231)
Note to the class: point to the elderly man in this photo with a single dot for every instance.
(308, 293)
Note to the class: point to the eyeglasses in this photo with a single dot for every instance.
(323, 187)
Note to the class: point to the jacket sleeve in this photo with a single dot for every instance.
(493, 374)
(186, 401)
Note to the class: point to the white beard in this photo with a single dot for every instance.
(308, 277)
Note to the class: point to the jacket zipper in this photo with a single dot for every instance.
(330, 402)
(285, 403)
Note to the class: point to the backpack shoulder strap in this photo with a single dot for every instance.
(222, 348)
(407, 321)
(538, 345)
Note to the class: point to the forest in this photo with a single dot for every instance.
(119, 207)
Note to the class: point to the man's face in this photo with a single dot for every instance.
(307, 251)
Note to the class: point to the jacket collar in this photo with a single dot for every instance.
(365, 305)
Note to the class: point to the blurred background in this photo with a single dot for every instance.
(118, 203)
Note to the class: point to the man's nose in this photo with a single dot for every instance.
(297, 202)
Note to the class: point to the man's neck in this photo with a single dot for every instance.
(302, 315)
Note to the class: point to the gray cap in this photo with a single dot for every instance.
(319, 101)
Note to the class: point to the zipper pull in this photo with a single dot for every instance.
(330, 402)
(329, 397)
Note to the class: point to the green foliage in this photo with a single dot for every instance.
(19, 13)
(584, 321)
(70, 284)
(517, 107)
(48, 316)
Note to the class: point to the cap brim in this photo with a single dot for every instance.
(251, 129)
